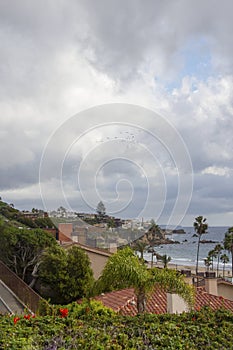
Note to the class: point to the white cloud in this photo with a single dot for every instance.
(217, 171)
(79, 54)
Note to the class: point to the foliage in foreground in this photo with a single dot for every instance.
(92, 326)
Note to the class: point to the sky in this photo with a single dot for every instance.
(129, 102)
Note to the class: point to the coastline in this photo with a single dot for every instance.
(192, 268)
(183, 255)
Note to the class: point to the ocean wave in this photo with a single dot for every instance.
(182, 259)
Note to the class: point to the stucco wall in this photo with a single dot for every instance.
(98, 258)
(225, 290)
(97, 263)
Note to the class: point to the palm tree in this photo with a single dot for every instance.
(228, 245)
(212, 255)
(165, 260)
(139, 246)
(200, 226)
(153, 253)
(124, 270)
(218, 248)
(208, 262)
(224, 259)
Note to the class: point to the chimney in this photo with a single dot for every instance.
(211, 285)
(176, 304)
(66, 229)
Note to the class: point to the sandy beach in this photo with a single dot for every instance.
(191, 268)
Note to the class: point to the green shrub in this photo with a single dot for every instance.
(92, 326)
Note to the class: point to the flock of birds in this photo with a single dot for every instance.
(125, 137)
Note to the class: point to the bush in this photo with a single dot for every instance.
(93, 326)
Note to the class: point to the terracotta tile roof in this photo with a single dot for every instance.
(120, 300)
(214, 302)
(124, 301)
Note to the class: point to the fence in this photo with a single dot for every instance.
(26, 294)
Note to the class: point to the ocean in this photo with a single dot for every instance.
(185, 252)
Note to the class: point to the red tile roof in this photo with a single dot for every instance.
(119, 300)
(214, 302)
(125, 301)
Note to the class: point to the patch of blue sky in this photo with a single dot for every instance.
(193, 60)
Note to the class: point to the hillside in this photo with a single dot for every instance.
(15, 217)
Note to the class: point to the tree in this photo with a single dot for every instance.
(212, 255)
(208, 262)
(111, 223)
(200, 226)
(67, 273)
(154, 233)
(218, 248)
(228, 245)
(62, 211)
(224, 259)
(124, 269)
(165, 260)
(153, 253)
(80, 273)
(139, 246)
(101, 211)
(21, 249)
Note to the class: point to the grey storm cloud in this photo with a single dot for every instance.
(20, 175)
(214, 187)
(117, 37)
(58, 58)
(124, 35)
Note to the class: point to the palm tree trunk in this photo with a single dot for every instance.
(218, 264)
(223, 270)
(198, 247)
(231, 265)
(152, 262)
(141, 301)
